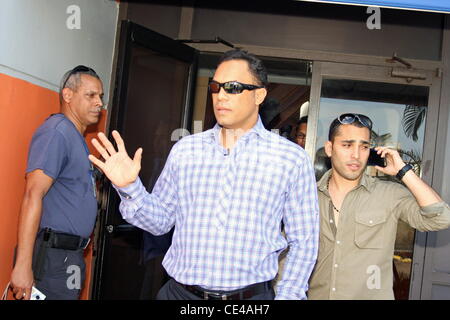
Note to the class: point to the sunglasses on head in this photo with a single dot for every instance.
(78, 69)
(232, 87)
(348, 118)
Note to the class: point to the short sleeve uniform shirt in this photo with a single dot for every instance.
(60, 151)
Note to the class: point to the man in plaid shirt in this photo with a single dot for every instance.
(227, 191)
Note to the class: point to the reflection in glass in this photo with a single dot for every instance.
(288, 90)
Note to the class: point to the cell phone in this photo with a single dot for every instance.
(36, 294)
(375, 159)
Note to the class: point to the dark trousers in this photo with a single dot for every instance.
(63, 273)
(174, 291)
(154, 278)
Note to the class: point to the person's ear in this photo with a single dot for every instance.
(260, 95)
(67, 95)
(328, 148)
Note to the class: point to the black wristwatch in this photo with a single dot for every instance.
(401, 173)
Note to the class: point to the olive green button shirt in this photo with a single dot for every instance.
(355, 259)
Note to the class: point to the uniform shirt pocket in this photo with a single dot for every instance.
(369, 230)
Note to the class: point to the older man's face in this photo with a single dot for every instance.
(86, 101)
(236, 111)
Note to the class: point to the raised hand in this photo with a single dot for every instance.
(120, 169)
(393, 161)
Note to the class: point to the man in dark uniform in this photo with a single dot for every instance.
(59, 206)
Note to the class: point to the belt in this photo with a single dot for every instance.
(240, 294)
(66, 241)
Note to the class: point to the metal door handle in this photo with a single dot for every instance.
(122, 227)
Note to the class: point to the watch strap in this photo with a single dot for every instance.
(401, 173)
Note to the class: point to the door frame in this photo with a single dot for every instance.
(335, 70)
(132, 33)
(432, 275)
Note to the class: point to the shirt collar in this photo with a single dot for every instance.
(322, 184)
(258, 129)
(366, 182)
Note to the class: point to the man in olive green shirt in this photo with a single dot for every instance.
(359, 215)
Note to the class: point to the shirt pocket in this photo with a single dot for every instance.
(370, 230)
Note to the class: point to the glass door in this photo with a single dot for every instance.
(404, 112)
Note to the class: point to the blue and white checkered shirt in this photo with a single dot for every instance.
(227, 211)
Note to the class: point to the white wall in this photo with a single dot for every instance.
(36, 44)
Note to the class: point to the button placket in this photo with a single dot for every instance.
(224, 201)
(336, 260)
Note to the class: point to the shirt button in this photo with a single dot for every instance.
(125, 195)
(338, 242)
(370, 221)
(336, 265)
(334, 289)
(331, 221)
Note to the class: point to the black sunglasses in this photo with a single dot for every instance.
(232, 87)
(348, 118)
(78, 69)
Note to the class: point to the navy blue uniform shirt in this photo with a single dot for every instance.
(60, 151)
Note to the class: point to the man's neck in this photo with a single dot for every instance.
(69, 115)
(230, 136)
(341, 184)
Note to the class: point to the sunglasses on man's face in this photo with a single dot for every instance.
(348, 118)
(78, 69)
(232, 87)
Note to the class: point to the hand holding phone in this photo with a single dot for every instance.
(36, 294)
(375, 159)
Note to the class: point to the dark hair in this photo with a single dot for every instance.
(255, 65)
(303, 119)
(336, 124)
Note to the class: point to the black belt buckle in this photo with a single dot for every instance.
(214, 296)
(240, 294)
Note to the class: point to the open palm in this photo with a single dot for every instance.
(120, 169)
